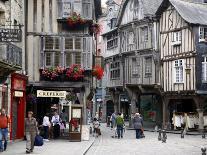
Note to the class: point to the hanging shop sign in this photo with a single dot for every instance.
(10, 35)
(59, 94)
(18, 94)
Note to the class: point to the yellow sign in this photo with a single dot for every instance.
(59, 94)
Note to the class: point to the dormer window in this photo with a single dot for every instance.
(136, 9)
(202, 34)
(176, 40)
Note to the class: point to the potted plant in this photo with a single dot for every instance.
(75, 72)
(75, 20)
(98, 72)
(52, 73)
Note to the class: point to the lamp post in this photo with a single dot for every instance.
(130, 115)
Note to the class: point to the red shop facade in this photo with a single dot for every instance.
(18, 104)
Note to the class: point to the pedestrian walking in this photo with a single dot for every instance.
(138, 125)
(4, 126)
(119, 125)
(113, 120)
(31, 130)
(96, 128)
(56, 125)
(46, 125)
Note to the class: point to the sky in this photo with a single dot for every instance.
(103, 3)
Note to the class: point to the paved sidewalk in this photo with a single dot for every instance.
(106, 145)
(53, 147)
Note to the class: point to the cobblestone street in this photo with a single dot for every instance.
(106, 145)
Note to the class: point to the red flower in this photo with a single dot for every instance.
(75, 19)
(98, 72)
(75, 72)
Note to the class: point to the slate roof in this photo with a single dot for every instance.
(149, 7)
(194, 13)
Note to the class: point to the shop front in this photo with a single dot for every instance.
(151, 110)
(18, 103)
(49, 97)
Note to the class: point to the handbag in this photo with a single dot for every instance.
(38, 141)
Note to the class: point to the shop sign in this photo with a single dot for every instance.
(18, 94)
(59, 94)
(10, 35)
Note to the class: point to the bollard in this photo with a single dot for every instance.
(203, 149)
(182, 133)
(164, 136)
(203, 135)
(91, 130)
(159, 135)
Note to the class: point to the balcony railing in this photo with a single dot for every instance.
(11, 54)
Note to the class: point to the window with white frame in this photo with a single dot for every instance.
(176, 40)
(148, 66)
(131, 38)
(136, 9)
(202, 34)
(112, 41)
(179, 65)
(144, 34)
(204, 70)
(115, 70)
(72, 50)
(135, 67)
(52, 53)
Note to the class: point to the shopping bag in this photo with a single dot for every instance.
(38, 141)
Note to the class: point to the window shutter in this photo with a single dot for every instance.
(87, 53)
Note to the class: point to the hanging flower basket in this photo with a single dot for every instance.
(75, 72)
(75, 20)
(95, 28)
(98, 72)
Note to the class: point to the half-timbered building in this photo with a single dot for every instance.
(137, 63)
(183, 52)
(111, 58)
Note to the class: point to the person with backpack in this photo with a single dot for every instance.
(4, 126)
(31, 130)
(119, 125)
(138, 124)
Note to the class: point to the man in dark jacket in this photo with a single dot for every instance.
(138, 124)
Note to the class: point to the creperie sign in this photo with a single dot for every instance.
(59, 94)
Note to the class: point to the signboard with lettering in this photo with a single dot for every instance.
(59, 94)
(10, 35)
(18, 94)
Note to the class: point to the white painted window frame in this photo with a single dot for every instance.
(204, 70)
(202, 33)
(179, 66)
(177, 37)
